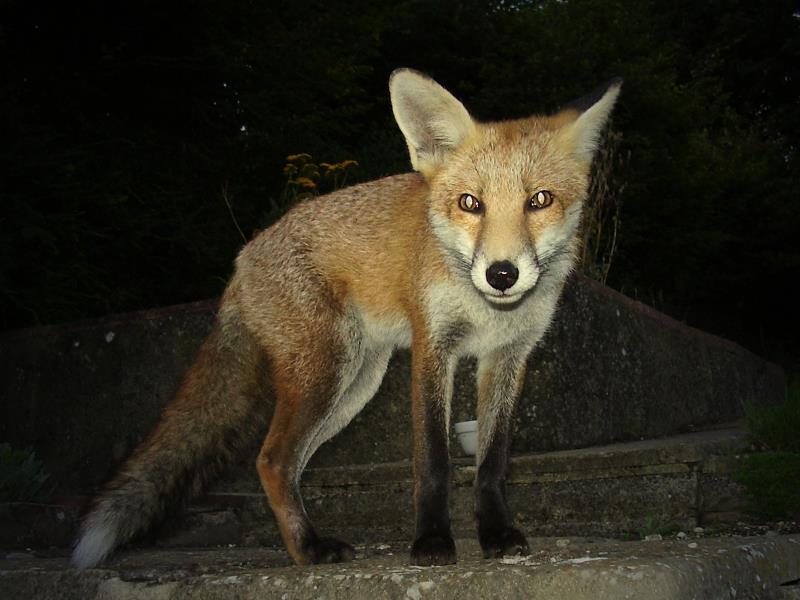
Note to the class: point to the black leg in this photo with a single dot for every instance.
(431, 391)
(434, 543)
(499, 384)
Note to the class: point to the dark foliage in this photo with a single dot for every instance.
(139, 137)
(771, 475)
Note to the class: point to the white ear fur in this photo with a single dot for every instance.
(584, 132)
(433, 122)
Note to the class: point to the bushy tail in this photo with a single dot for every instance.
(219, 406)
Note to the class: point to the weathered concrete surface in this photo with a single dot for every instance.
(621, 489)
(614, 490)
(575, 569)
(84, 395)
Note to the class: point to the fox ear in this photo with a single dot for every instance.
(433, 122)
(592, 112)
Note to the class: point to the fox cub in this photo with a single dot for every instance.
(466, 256)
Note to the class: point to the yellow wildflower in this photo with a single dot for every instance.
(305, 182)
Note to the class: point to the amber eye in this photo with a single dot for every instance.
(541, 199)
(470, 203)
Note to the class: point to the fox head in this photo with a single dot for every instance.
(506, 197)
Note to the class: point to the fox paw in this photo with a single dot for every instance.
(507, 541)
(329, 550)
(434, 549)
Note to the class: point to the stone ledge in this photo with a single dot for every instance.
(576, 569)
(611, 369)
(676, 482)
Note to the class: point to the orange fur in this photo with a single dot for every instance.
(319, 301)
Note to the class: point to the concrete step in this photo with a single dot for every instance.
(626, 489)
(574, 569)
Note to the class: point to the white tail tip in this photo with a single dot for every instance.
(96, 542)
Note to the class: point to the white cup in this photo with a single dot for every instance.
(467, 433)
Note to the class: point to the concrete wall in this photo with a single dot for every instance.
(84, 394)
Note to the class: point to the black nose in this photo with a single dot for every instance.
(502, 275)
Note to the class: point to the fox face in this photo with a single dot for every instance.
(506, 205)
(506, 197)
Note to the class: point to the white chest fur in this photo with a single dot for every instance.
(486, 326)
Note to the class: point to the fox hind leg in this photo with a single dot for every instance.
(310, 408)
(278, 469)
(500, 378)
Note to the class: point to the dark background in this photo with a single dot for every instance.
(139, 138)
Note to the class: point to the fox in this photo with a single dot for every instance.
(466, 255)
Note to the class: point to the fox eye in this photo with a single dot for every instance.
(469, 203)
(540, 199)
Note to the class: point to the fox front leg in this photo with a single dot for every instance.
(432, 384)
(500, 378)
